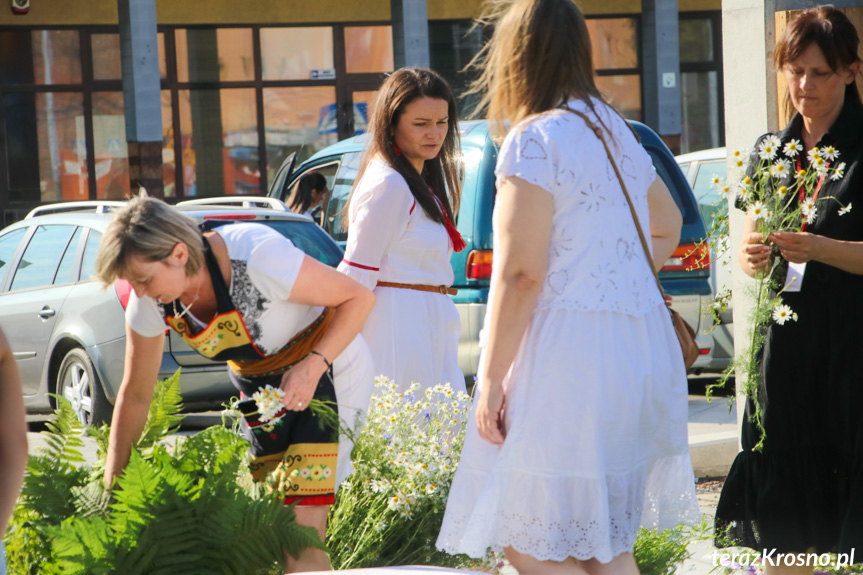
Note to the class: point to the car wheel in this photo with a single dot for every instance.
(78, 383)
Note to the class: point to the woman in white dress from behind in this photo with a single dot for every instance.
(400, 230)
(579, 430)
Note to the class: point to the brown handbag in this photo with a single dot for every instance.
(684, 331)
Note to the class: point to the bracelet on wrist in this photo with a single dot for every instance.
(323, 357)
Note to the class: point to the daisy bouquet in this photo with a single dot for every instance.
(779, 191)
(389, 511)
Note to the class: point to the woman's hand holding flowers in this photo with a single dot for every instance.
(796, 247)
(755, 251)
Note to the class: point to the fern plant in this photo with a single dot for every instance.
(188, 509)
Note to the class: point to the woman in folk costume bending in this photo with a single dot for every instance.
(401, 232)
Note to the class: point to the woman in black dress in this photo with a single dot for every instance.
(803, 492)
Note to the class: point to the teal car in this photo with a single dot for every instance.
(682, 277)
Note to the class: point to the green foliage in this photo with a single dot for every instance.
(189, 509)
(661, 552)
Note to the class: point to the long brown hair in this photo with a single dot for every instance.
(440, 174)
(830, 30)
(538, 58)
(301, 195)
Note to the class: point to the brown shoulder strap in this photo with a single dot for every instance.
(599, 135)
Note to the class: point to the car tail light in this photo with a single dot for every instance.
(230, 217)
(703, 350)
(688, 257)
(478, 265)
(124, 290)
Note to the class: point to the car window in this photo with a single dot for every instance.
(339, 193)
(67, 264)
(706, 194)
(306, 235)
(8, 246)
(88, 263)
(38, 265)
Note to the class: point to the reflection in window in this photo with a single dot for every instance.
(41, 57)
(452, 45)
(169, 160)
(369, 49)
(699, 94)
(292, 53)
(106, 56)
(67, 264)
(339, 193)
(88, 262)
(210, 55)
(706, 194)
(8, 246)
(364, 105)
(301, 120)
(42, 256)
(220, 142)
(109, 143)
(696, 39)
(622, 92)
(45, 146)
(614, 42)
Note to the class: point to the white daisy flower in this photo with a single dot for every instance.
(838, 172)
(808, 206)
(812, 154)
(715, 181)
(829, 152)
(810, 217)
(792, 148)
(726, 190)
(744, 194)
(783, 313)
(268, 402)
(820, 165)
(756, 211)
(780, 169)
(768, 215)
(741, 163)
(782, 192)
(769, 148)
(845, 210)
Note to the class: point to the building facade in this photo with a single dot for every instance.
(240, 90)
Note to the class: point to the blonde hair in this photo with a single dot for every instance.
(538, 58)
(149, 229)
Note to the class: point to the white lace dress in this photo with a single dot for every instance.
(596, 410)
(413, 335)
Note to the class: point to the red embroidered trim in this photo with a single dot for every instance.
(412, 207)
(312, 500)
(361, 266)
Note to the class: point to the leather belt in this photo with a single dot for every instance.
(445, 290)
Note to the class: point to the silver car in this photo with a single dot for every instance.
(699, 169)
(68, 333)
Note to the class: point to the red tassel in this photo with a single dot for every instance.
(397, 149)
(458, 243)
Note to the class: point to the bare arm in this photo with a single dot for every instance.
(524, 217)
(318, 284)
(665, 222)
(13, 434)
(143, 358)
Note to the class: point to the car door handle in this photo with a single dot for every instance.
(46, 312)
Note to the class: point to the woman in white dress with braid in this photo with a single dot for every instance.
(578, 435)
(400, 230)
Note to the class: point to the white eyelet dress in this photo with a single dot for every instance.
(596, 399)
(413, 335)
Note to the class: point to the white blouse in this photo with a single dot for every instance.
(595, 260)
(390, 238)
(264, 267)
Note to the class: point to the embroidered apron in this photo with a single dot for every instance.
(294, 452)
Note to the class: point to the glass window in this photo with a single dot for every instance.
(369, 49)
(41, 57)
(301, 120)
(452, 45)
(88, 263)
(109, 141)
(292, 53)
(106, 56)
(696, 39)
(213, 55)
(614, 42)
(339, 192)
(364, 105)
(67, 264)
(623, 92)
(46, 147)
(699, 95)
(169, 160)
(705, 193)
(39, 263)
(219, 131)
(8, 246)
